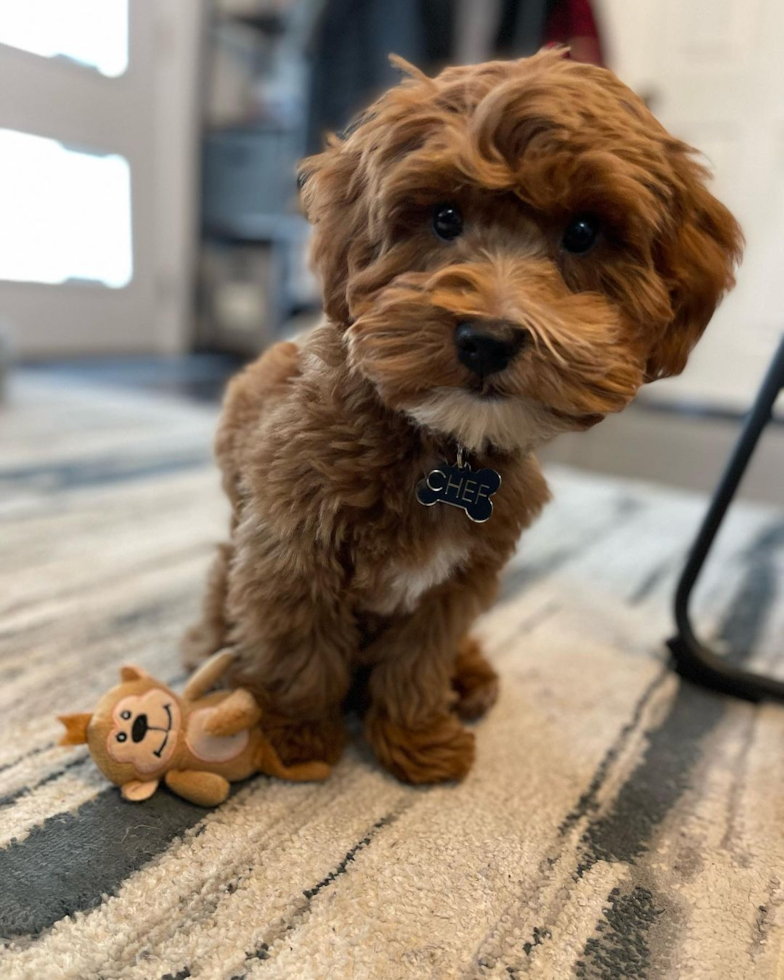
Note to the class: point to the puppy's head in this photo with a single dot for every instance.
(514, 248)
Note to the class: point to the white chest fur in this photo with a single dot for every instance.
(402, 586)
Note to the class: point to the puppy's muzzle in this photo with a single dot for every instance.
(482, 351)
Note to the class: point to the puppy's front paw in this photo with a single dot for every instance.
(440, 752)
(306, 741)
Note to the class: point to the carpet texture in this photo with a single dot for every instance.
(618, 823)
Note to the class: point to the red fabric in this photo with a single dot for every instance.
(572, 19)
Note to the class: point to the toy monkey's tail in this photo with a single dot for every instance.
(268, 761)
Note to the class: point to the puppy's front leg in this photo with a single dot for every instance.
(410, 725)
(295, 637)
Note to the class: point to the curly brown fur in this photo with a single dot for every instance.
(474, 681)
(333, 565)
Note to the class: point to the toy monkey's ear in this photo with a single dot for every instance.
(136, 791)
(75, 728)
(131, 673)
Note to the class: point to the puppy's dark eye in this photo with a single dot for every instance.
(122, 737)
(580, 233)
(125, 714)
(447, 221)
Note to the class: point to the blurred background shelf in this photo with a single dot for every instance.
(252, 271)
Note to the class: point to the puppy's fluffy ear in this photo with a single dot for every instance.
(696, 258)
(330, 190)
(337, 188)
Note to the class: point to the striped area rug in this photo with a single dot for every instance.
(618, 823)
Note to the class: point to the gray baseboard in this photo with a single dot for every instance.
(684, 450)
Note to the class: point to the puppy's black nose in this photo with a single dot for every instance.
(482, 352)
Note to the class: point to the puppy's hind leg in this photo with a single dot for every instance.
(208, 635)
(261, 383)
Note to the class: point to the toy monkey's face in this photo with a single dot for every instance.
(144, 730)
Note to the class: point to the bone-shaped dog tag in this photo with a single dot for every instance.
(460, 486)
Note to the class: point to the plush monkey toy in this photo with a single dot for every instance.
(141, 732)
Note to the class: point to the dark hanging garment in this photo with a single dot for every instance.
(522, 29)
(350, 48)
(352, 41)
(527, 25)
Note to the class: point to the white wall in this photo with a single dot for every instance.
(712, 70)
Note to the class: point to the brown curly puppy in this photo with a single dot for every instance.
(508, 251)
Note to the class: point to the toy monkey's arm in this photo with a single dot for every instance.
(201, 788)
(207, 676)
(236, 713)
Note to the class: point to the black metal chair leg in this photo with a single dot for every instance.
(692, 659)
